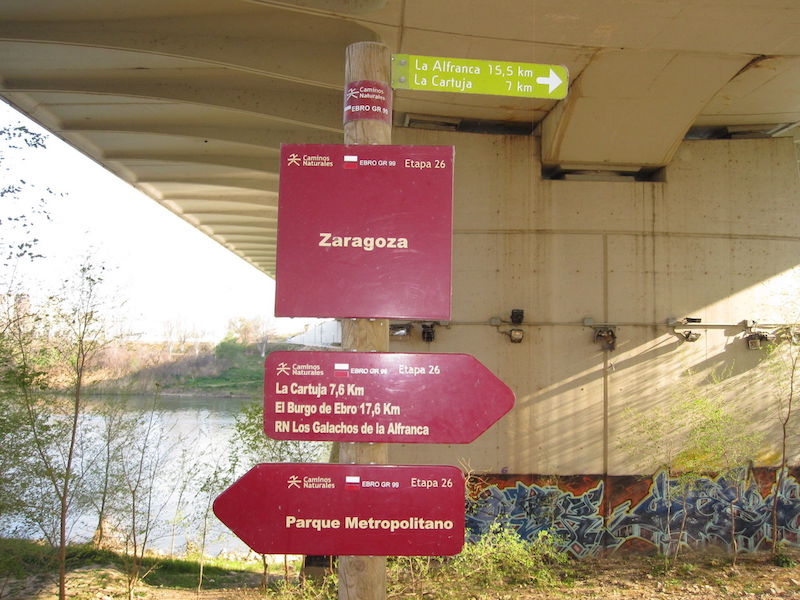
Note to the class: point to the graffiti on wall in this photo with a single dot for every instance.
(591, 514)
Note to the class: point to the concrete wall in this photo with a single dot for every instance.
(716, 238)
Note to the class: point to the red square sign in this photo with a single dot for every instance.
(365, 232)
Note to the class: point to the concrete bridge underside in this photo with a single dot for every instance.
(664, 186)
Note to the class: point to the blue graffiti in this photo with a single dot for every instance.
(574, 520)
(788, 510)
(702, 513)
(705, 512)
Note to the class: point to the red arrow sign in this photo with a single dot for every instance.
(377, 510)
(380, 397)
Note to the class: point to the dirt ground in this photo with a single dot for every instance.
(700, 577)
(108, 583)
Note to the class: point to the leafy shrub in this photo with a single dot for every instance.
(19, 558)
(414, 575)
(308, 589)
(502, 557)
(83, 554)
(229, 350)
(781, 557)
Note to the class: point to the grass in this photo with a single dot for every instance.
(500, 561)
(238, 379)
(19, 558)
(243, 372)
(182, 573)
(502, 567)
(230, 369)
(23, 558)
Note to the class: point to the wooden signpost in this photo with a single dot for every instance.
(365, 397)
(364, 577)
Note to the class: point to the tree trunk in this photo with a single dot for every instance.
(784, 435)
(65, 490)
(264, 572)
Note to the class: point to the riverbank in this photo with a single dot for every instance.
(98, 575)
(228, 369)
(27, 570)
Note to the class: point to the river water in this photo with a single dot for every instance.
(202, 426)
(197, 428)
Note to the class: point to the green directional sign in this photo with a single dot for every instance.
(469, 76)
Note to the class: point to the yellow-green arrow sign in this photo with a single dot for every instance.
(469, 76)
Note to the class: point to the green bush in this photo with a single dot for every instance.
(19, 558)
(307, 589)
(413, 576)
(229, 350)
(781, 557)
(86, 554)
(499, 560)
(502, 557)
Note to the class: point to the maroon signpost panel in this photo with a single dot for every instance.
(380, 397)
(331, 509)
(364, 231)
